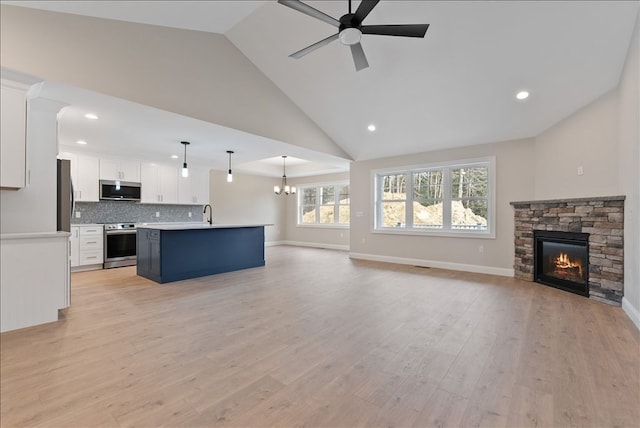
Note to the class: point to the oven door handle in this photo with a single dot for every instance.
(119, 232)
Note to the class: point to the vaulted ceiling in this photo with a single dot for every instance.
(455, 87)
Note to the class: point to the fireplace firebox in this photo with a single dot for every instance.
(561, 260)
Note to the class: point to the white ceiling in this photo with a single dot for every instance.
(151, 134)
(453, 88)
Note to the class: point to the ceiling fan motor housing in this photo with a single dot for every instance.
(349, 30)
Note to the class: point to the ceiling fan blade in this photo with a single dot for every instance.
(313, 47)
(308, 10)
(403, 30)
(359, 57)
(363, 10)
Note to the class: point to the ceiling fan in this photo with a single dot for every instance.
(350, 29)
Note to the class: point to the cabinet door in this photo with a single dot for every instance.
(109, 169)
(200, 187)
(75, 246)
(149, 193)
(129, 170)
(119, 169)
(13, 143)
(87, 179)
(168, 184)
(194, 190)
(185, 195)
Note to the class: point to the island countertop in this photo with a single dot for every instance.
(196, 225)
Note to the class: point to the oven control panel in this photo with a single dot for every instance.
(119, 226)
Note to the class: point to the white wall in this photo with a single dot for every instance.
(323, 237)
(248, 199)
(193, 73)
(514, 181)
(587, 138)
(33, 208)
(629, 173)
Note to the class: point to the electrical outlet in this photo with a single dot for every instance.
(189, 214)
(78, 214)
(481, 249)
(580, 170)
(157, 213)
(364, 240)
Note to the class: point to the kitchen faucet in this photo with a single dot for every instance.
(210, 220)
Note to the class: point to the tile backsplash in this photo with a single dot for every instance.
(133, 212)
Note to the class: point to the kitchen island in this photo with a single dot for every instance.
(173, 252)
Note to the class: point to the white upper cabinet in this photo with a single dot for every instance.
(194, 190)
(84, 175)
(13, 142)
(119, 169)
(159, 184)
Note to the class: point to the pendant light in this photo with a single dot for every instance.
(229, 174)
(185, 170)
(284, 187)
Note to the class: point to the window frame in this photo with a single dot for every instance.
(336, 204)
(489, 162)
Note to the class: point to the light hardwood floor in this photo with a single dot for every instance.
(316, 339)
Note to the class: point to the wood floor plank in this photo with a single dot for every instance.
(316, 339)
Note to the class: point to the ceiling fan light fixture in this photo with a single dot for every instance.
(522, 95)
(371, 127)
(350, 36)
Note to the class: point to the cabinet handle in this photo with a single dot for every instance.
(92, 257)
(92, 242)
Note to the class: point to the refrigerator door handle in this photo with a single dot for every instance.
(73, 200)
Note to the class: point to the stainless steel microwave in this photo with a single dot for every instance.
(119, 190)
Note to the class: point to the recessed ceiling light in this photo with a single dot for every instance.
(81, 142)
(522, 95)
(371, 127)
(174, 156)
(91, 116)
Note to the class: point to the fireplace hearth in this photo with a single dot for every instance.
(561, 260)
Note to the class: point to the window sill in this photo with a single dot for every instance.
(443, 234)
(324, 226)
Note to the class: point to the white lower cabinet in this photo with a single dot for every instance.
(87, 247)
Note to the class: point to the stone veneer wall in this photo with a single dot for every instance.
(601, 217)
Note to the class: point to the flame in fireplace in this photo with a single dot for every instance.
(563, 262)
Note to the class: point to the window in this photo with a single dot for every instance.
(446, 199)
(324, 205)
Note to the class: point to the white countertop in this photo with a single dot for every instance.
(196, 225)
(34, 235)
(87, 224)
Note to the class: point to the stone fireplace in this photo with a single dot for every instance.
(572, 244)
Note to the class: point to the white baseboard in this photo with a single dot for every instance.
(631, 312)
(434, 264)
(273, 243)
(316, 245)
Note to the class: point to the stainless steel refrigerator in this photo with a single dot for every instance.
(65, 196)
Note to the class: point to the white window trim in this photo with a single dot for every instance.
(487, 234)
(320, 225)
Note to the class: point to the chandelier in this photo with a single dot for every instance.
(284, 187)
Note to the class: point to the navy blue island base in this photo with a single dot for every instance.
(174, 253)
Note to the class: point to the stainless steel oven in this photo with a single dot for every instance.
(119, 245)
